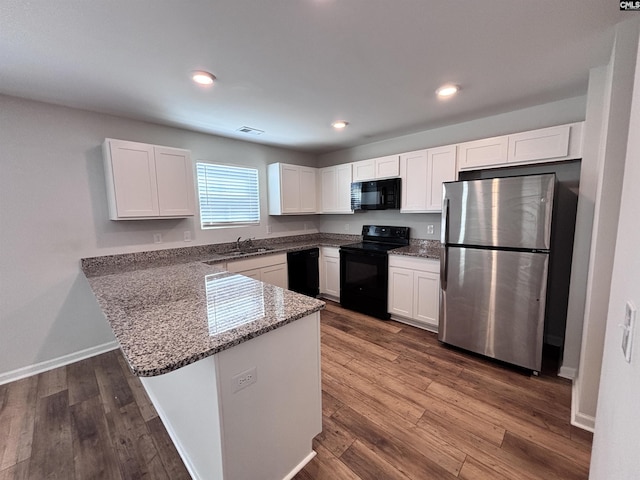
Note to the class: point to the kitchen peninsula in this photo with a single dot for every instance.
(231, 364)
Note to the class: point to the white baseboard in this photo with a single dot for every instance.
(415, 323)
(567, 372)
(34, 369)
(300, 466)
(579, 419)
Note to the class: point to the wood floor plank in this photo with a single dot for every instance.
(167, 453)
(414, 464)
(52, 452)
(475, 470)
(487, 452)
(81, 380)
(334, 438)
(52, 381)
(19, 471)
(112, 384)
(17, 420)
(512, 423)
(368, 465)
(329, 352)
(94, 455)
(391, 400)
(545, 459)
(326, 466)
(135, 450)
(329, 404)
(359, 345)
(147, 409)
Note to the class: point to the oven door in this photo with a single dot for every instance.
(364, 282)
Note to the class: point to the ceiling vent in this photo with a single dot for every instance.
(250, 131)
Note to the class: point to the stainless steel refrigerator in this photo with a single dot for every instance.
(496, 238)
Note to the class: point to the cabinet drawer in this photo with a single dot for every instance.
(431, 265)
(238, 266)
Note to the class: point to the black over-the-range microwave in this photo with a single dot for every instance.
(376, 195)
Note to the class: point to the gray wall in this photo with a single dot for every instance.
(53, 211)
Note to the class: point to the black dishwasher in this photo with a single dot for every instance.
(302, 268)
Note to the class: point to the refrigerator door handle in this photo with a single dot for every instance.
(445, 222)
(444, 264)
(444, 267)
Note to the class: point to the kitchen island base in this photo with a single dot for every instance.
(250, 411)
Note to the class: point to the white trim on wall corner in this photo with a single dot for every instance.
(24, 372)
(568, 372)
(580, 420)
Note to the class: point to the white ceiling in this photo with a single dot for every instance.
(291, 67)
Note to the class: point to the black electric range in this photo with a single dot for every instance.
(364, 269)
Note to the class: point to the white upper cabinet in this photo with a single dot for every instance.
(335, 189)
(292, 189)
(423, 173)
(480, 153)
(375, 168)
(539, 144)
(441, 167)
(563, 142)
(413, 172)
(147, 181)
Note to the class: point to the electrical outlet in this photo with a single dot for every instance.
(430, 229)
(305, 225)
(187, 236)
(269, 229)
(244, 379)
(157, 238)
(346, 227)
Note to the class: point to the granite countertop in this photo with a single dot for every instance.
(419, 248)
(168, 308)
(169, 316)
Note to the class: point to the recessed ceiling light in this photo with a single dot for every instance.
(447, 90)
(202, 78)
(340, 124)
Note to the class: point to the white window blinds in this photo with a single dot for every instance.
(228, 195)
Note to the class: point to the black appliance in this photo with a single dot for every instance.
(363, 269)
(302, 267)
(376, 195)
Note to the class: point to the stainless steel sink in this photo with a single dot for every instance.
(245, 251)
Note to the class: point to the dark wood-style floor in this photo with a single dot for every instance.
(396, 405)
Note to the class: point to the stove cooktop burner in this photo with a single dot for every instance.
(371, 246)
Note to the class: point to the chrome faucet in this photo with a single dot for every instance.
(248, 242)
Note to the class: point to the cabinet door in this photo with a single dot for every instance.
(275, 275)
(482, 153)
(290, 188)
(328, 190)
(330, 272)
(252, 273)
(133, 177)
(307, 190)
(542, 144)
(441, 168)
(343, 188)
(413, 171)
(387, 166)
(401, 291)
(426, 298)
(174, 174)
(364, 170)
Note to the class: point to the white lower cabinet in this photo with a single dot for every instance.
(270, 269)
(414, 291)
(330, 272)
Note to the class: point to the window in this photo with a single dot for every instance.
(228, 195)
